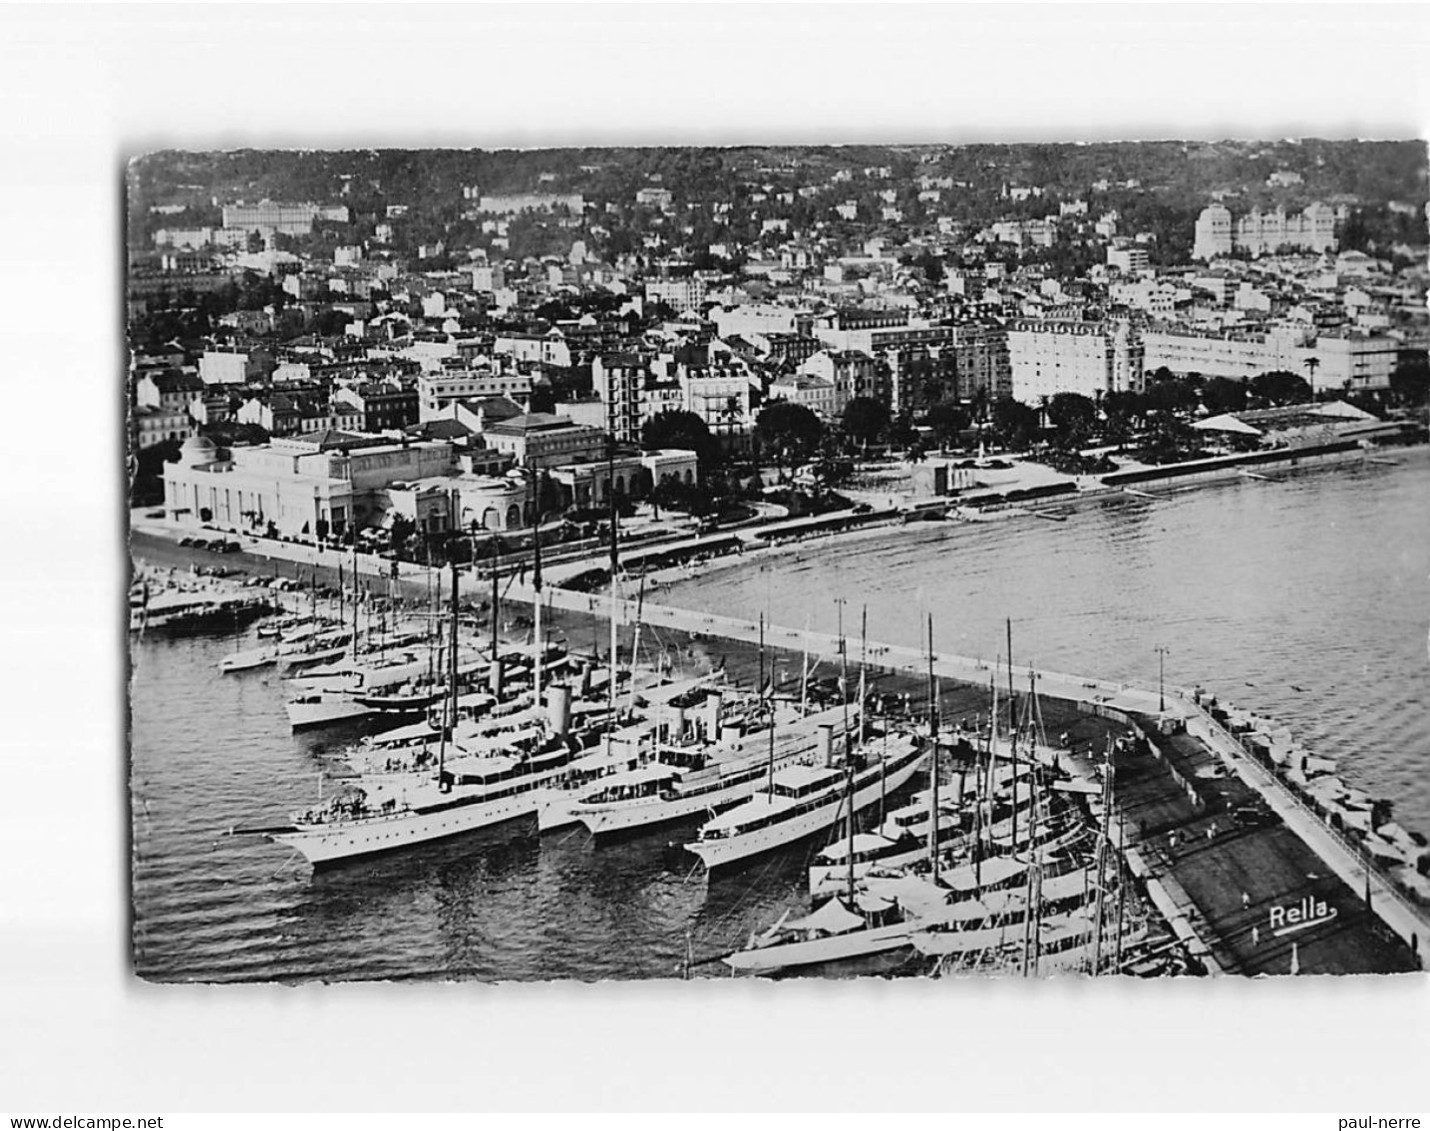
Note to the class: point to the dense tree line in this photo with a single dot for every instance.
(1174, 178)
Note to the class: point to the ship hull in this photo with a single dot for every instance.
(303, 716)
(202, 623)
(724, 852)
(834, 948)
(341, 841)
(627, 818)
(246, 663)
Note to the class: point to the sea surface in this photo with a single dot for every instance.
(1305, 596)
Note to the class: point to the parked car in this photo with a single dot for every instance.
(1254, 816)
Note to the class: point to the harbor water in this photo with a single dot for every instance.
(1303, 597)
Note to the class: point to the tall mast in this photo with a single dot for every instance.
(1037, 903)
(434, 631)
(1012, 732)
(883, 762)
(449, 731)
(539, 642)
(1117, 961)
(804, 672)
(355, 594)
(849, 778)
(1028, 897)
(933, 770)
(983, 784)
(615, 567)
(382, 616)
(770, 783)
(496, 601)
(760, 687)
(636, 644)
(848, 746)
(1101, 860)
(342, 604)
(844, 684)
(863, 666)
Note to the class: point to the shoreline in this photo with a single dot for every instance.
(1012, 512)
(588, 609)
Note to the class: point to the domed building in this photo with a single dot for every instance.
(199, 451)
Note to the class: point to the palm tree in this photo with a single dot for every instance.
(1312, 364)
(730, 417)
(978, 404)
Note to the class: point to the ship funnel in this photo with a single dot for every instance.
(677, 725)
(826, 743)
(585, 680)
(712, 705)
(558, 708)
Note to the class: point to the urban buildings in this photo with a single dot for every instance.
(549, 323)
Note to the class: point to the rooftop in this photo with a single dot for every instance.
(534, 422)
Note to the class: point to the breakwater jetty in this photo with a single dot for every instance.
(1235, 857)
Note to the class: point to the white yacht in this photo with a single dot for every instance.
(802, 801)
(694, 776)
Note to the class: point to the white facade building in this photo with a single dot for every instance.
(217, 368)
(682, 295)
(814, 393)
(1264, 233)
(437, 391)
(1090, 358)
(1213, 233)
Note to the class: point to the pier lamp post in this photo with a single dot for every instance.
(1161, 681)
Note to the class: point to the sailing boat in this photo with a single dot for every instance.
(846, 927)
(389, 686)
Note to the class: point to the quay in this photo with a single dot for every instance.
(1181, 836)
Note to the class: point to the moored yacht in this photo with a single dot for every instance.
(803, 800)
(694, 775)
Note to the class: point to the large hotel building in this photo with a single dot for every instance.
(1353, 360)
(1263, 233)
(1091, 358)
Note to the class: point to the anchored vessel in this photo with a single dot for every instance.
(685, 781)
(459, 794)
